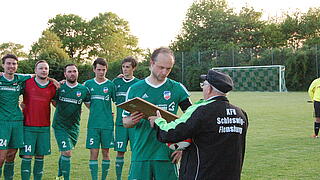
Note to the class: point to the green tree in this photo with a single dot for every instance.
(49, 48)
(212, 25)
(12, 48)
(106, 35)
(110, 37)
(311, 26)
(73, 32)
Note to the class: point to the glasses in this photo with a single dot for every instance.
(203, 84)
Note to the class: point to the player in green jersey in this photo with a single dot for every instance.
(123, 135)
(150, 158)
(100, 123)
(66, 121)
(11, 117)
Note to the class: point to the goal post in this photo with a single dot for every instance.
(257, 78)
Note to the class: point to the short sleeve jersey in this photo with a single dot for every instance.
(37, 99)
(68, 106)
(102, 95)
(166, 96)
(122, 86)
(10, 90)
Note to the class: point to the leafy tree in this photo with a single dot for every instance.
(212, 25)
(73, 32)
(106, 35)
(111, 38)
(12, 48)
(273, 37)
(209, 24)
(292, 28)
(49, 48)
(312, 26)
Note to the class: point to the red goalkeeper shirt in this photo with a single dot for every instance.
(37, 100)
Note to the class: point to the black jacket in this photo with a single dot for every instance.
(218, 131)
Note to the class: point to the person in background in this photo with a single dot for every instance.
(123, 135)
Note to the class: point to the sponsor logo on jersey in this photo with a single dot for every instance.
(118, 86)
(63, 91)
(167, 95)
(91, 89)
(9, 88)
(78, 93)
(145, 96)
(105, 89)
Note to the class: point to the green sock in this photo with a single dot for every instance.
(59, 167)
(65, 167)
(25, 168)
(38, 169)
(119, 165)
(8, 170)
(93, 166)
(105, 168)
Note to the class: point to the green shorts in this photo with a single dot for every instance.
(97, 137)
(141, 170)
(11, 135)
(123, 135)
(36, 141)
(66, 140)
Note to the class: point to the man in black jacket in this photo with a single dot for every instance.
(218, 130)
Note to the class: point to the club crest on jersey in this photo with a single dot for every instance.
(105, 89)
(78, 93)
(167, 95)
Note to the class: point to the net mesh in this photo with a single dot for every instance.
(256, 78)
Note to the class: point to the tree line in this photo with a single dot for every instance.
(209, 26)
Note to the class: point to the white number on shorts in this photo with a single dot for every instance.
(120, 144)
(27, 148)
(3, 142)
(91, 141)
(63, 144)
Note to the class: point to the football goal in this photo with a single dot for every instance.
(257, 78)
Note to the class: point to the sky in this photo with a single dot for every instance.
(154, 22)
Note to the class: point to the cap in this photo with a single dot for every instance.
(219, 80)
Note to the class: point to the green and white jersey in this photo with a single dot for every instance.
(10, 90)
(166, 96)
(68, 106)
(122, 86)
(102, 95)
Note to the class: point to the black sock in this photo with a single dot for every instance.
(316, 128)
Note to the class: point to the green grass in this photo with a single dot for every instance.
(278, 141)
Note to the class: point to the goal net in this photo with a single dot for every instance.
(256, 78)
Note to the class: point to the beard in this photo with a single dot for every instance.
(71, 81)
(42, 78)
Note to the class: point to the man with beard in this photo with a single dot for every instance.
(66, 119)
(37, 96)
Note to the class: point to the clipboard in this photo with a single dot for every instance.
(147, 108)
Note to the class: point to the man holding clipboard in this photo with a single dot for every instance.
(150, 158)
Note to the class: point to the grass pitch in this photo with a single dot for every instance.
(278, 140)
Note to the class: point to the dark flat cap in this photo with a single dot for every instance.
(219, 80)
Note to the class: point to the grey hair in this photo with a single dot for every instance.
(218, 91)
